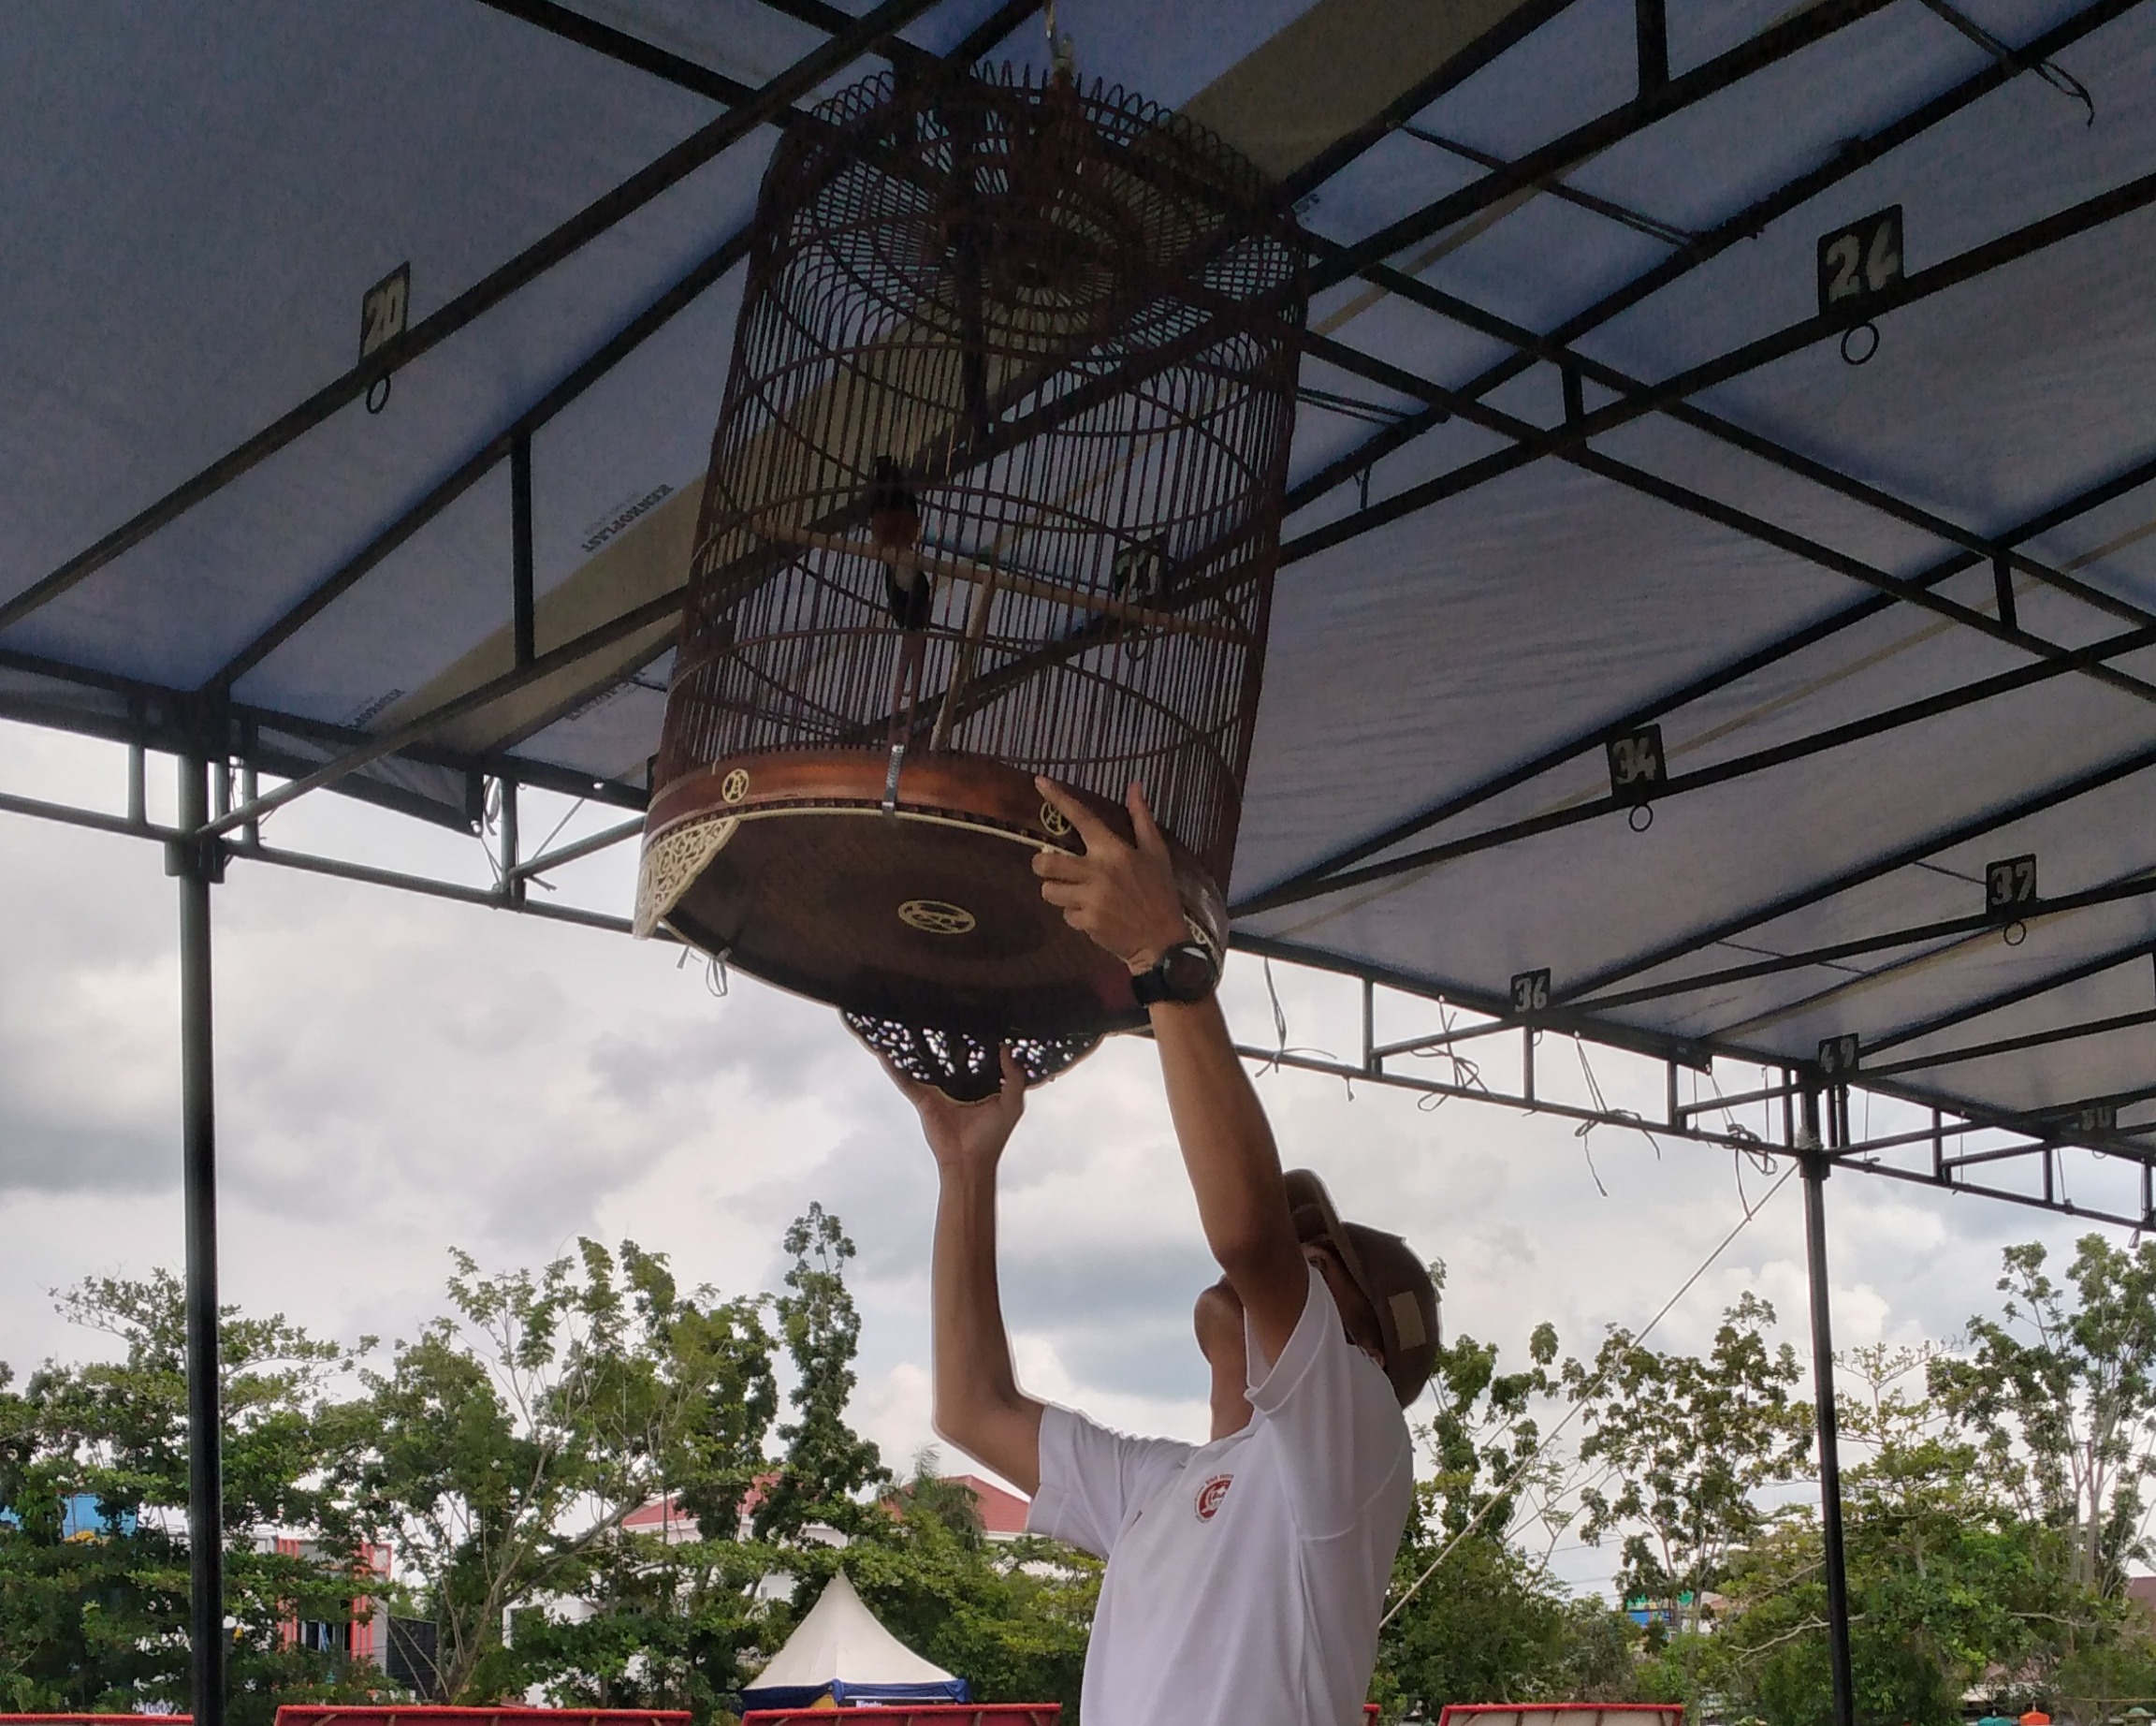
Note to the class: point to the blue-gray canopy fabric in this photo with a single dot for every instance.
(1721, 565)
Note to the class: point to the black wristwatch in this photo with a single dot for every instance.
(1186, 972)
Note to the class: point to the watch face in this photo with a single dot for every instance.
(1187, 971)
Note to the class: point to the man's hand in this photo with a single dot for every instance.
(967, 1136)
(1122, 896)
(978, 1404)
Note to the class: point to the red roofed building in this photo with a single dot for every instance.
(1002, 1511)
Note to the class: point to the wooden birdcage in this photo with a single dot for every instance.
(995, 492)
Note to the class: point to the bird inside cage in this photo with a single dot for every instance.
(908, 590)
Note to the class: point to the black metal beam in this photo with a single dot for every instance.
(1575, 366)
(1522, 21)
(991, 31)
(2000, 1195)
(523, 603)
(1778, 42)
(1814, 1165)
(195, 866)
(1628, 1039)
(1974, 827)
(713, 267)
(1608, 208)
(1918, 591)
(830, 20)
(1652, 26)
(476, 466)
(2006, 1045)
(594, 219)
(1633, 1039)
(1721, 677)
(1852, 156)
(2009, 248)
(2011, 996)
(1945, 929)
(1742, 767)
(418, 730)
(172, 720)
(630, 50)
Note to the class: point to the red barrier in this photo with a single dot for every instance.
(1560, 1713)
(925, 1713)
(364, 1714)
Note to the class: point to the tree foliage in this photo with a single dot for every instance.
(2061, 1387)
(1993, 1497)
(97, 1618)
(1683, 1443)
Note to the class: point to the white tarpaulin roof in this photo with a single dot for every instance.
(840, 1647)
(1582, 455)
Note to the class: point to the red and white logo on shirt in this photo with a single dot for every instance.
(1210, 1495)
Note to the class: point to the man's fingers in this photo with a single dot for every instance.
(1051, 865)
(909, 1087)
(1062, 894)
(1143, 825)
(1091, 828)
(1013, 1081)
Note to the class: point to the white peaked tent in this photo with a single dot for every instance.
(841, 1652)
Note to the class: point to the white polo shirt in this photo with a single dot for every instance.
(1246, 1576)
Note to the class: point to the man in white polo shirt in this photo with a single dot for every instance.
(1246, 1576)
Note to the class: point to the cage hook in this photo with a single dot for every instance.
(1641, 817)
(1853, 358)
(376, 404)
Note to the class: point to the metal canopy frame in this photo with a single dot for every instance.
(226, 745)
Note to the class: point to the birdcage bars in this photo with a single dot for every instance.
(1039, 343)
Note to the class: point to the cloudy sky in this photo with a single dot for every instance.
(397, 1074)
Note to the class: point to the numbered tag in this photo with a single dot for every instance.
(383, 309)
(1530, 993)
(2010, 887)
(1838, 1056)
(1140, 573)
(1860, 262)
(1636, 770)
(2098, 1117)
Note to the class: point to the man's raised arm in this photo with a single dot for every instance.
(1124, 896)
(978, 1404)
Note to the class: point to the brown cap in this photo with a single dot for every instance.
(1395, 1282)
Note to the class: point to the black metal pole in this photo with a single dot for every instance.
(521, 609)
(195, 861)
(1815, 1167)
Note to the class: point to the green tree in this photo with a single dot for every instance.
(99, 1621)
(1011, 1618)
(828, 1465)
(509, 1439)
(1683, 1442)
(2061, 1389)
(1480, 1620)
(1949, 1580)
(683, 1397)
